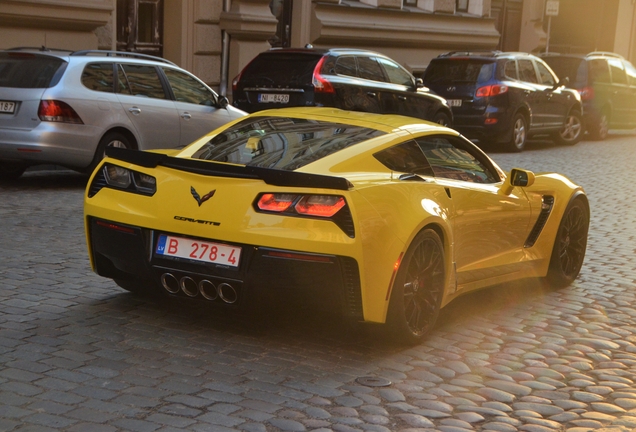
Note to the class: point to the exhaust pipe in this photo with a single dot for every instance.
(170, 283)
(208, 290)
(227, 293)
(189, 286)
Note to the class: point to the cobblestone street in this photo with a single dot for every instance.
(77, 353)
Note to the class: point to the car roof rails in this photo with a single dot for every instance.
(605, 54)
(40, 48)
(486, 53)
(128, 54)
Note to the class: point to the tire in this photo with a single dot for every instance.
(570, 243)
(111, 139)
(11, 170)
(441, 118)
(572, 130)
(600, 129)
(417, 290)
(518, 134)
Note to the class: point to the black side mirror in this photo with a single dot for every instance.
(419, 83)
(223, 102)
(562, 83)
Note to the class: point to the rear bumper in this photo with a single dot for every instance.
(127, 253)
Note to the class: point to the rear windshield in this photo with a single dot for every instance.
(573, 68)
(26, 70)
(458, 71)
(282, 142)
(281, 69)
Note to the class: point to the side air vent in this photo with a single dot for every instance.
(99, 182)
(353, 294)
(546, 209)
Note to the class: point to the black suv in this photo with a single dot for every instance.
(349, 79)
(504, 97)
(607, 83)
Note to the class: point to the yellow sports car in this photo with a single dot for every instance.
(384, 218)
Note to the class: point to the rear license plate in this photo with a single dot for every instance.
(198, 250)
(7, 107)
(275, 98)
(454, 102)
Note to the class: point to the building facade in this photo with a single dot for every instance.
(215, 39)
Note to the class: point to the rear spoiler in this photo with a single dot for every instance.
(270, 176)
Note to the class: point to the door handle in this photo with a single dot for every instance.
(135, 110)
(371, 94)
(186, 116)
(526, 92)
(402, 98)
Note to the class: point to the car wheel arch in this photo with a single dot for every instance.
(126, 132)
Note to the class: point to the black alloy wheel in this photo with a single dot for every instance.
(570, 244)
(572, 129)
(418, 289)
(518, 133)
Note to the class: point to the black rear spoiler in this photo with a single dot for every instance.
(270, 176)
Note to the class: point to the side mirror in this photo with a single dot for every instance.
(517, 177)
(419, 83)
(562, 83)
(223, 101)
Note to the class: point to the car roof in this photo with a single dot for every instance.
(594, 54)
(66, 54)
(484, 55)
(323, 51)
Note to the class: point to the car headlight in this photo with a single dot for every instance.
(124, 179)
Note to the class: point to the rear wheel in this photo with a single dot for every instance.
(569, 245)
(111, 139)
(518, 134)
(572, 130)
(441, 118)
(600, 129)
(11, 170)
(417, 290)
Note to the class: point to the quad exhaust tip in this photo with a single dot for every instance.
(191, 288)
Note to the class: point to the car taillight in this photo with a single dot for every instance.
(491, 90)
(321, 84)
(58, 111)
(325, 206)
(586, 93)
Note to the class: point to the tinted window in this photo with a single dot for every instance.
(281, 142)
(573, 68)
(98, 77)
(406, 157)
(188, 89)
(460, 71)
(142, 80)
(526, 71)
(510, 69)
(346, 66)
(369, 69)
(599, 71)
(450, 158)
(618, 73)
(25, 70)
(545, 75)
(281, 68)
(396, 74)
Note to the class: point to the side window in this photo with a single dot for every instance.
(406, 157)
(98, 77)
(546, 76)
(188, 89)
(451, 158)
(395, 72)
(142, 80)
(618, 73)
(369, 69)
(346, 66)
(599, 71)
(631, 74)
(510, 69)
(526, 71)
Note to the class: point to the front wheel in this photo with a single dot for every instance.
(518, 134)
(570, 244)
(417, 291)
(572, 129)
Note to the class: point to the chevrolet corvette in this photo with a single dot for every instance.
(383, 218)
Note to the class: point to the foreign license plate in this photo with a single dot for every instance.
(275, 98)
(198, 250)
(7, 107)
(454, 102)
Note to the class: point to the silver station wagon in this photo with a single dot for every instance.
(62, 107)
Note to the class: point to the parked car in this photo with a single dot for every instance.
(349, 79)
(62, 107)
(607, 83)
(382, 218)
(505, 97)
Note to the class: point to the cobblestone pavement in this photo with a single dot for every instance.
(79, 354)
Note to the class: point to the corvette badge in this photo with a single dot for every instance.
(201, 199)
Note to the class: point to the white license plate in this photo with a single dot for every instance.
(198, 250)
(454, 102)
(276, 98)
(7, 107)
